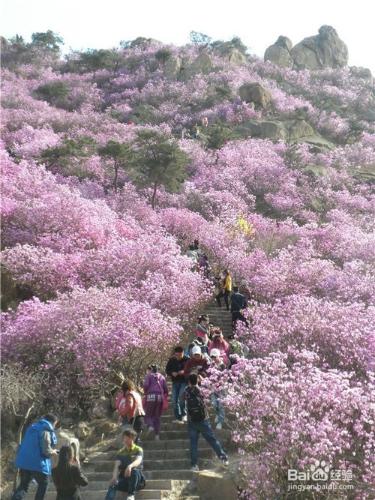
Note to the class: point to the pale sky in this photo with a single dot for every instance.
(102, 24)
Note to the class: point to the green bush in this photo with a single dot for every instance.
(163, 55)
(54, 93)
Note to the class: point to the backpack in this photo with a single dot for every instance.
(121, 404)
(195, 405)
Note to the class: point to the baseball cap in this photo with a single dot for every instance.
(215, 353)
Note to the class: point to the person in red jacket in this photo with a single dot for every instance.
(196, 364)
(218, 342)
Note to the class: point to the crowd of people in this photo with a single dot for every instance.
(139, 416)
(139, 410)
(234, 300)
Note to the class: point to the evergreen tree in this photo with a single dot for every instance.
(119, 153)
(158, 161)
(218, 135)
(47, 41)
(68, 157)
(199, 38)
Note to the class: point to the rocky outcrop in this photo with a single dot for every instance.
(279, 52)
(101, 408)
(236, 57)
(365, 174)
(213, 485)
(255, 93)
(325, 50)
(317, 143)
(315, 170)
(68, 438)
(268, 130)
(363, 73)
(298, 129)
(83, 430)
(287, 130)
(201, 64)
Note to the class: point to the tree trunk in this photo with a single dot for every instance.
(153, 199)
(116, 176)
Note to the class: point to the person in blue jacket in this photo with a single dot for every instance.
(34, 456)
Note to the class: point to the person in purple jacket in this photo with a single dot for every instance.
(156, 391)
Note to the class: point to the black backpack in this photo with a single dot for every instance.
(195, 405)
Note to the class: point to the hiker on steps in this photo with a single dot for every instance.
(196, 364)
(34, 456)
(156, 396)
(204, 265)
(130, 408)
(218, 342)
(237, 304)
(67, 475)
(226, 289)
(193, 255)
(217, 364)
(198, 423)
(127, 473)
(200, 342)
(196, 247)
(202, 329)
(175, 369)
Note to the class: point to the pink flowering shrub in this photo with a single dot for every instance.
(59, 240)
(294, 414)
(342, 335)
(66, 338)
(294, 223)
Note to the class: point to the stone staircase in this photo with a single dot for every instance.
(166, 466)
(220, 317)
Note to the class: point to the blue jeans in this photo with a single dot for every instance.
(129, 484)
(204, 428)
(218, 407)
(26, 477)
(179, 406)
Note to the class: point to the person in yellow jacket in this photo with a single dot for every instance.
(226, 289)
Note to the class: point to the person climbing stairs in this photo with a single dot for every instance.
(167, 466)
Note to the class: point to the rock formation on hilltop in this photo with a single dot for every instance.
(316, 52)
(279, 52)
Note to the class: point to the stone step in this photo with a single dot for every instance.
(98, 490)
(169, 425)
(215, 307)
(218, 320)
(166, 444)
(173, 465)
(223, 321)
(165, 435)
(150, 454)
(104, 477)
(153, 475)
(220, 317)
(152, 484)
(219, 314)
(177, 474)
(149, 465)
(100, 494)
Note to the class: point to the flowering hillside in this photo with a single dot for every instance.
(276, 185)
